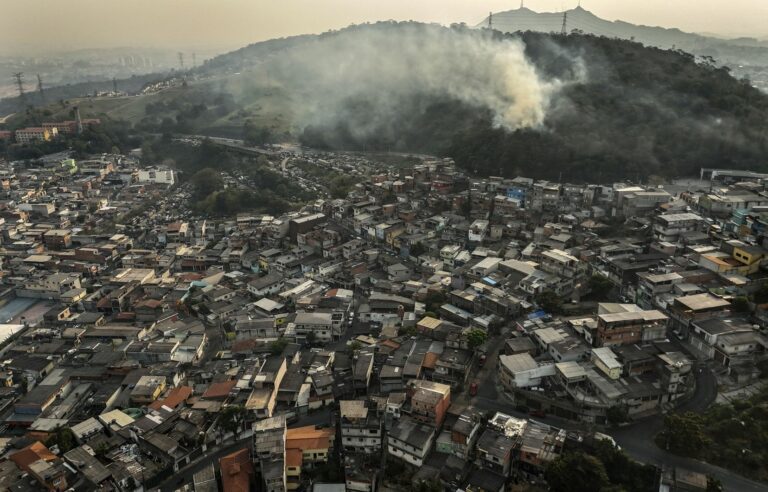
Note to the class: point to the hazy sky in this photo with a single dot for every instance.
(49, 24)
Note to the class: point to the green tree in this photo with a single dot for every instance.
(434, 300)
(622, 471)
(761, 295)
(576, 472)
(276, 347)
(714, 485)
(741, 304)
(684, 434)
(231, 418)
(418, 249)
(311, 337)
(205, 182)
(255, 135)
(599, 286)
(617, 414)
(354, 347)
(64, 438)
(476, 337)
(549, 302)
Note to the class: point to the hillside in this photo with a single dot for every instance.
(580, 107)
(747, 57)
(621, 110)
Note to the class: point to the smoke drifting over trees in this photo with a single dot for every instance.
(578, 106)
(414, 64)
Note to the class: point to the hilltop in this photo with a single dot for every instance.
(747, 57)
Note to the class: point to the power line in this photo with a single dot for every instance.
(40, 89)
(19, 76)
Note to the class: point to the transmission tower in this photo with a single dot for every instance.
(181, 60)
(194, 60)
(564, 29)
(19, 76)
(40, 89)
(490, 20)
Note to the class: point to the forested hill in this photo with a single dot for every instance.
(633, 111)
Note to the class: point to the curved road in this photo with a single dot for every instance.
(637, 439)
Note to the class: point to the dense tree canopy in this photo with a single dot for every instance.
(627, 111)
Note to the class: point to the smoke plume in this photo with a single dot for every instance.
(392, 66)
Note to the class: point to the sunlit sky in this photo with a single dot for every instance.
(48, 25)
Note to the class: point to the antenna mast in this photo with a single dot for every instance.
(19, 76)
(40, 88)
(564, 29)
(114, 85)
(194, 60)
(490, 20)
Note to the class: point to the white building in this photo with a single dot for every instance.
(522, 371)
(410, 441)
(156, 175)
(478, 230)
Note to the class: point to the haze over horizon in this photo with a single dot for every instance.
(175, 24)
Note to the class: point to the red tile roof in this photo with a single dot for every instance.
(236, 471)
(34, 452)
(173, 399)
(218, 391)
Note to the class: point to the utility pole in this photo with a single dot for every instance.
(40, 89)
(564, 29)
(19, 76)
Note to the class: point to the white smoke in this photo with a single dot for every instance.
(387, 65)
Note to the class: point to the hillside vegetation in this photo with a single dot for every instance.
(636, 112)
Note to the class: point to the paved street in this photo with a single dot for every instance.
(637, 439)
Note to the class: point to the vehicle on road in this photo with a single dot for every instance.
(473, 388)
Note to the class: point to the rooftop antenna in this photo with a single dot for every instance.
(19, 76)
(564, 29)
(40, 89)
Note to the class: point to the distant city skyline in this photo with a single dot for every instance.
(32, 26)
